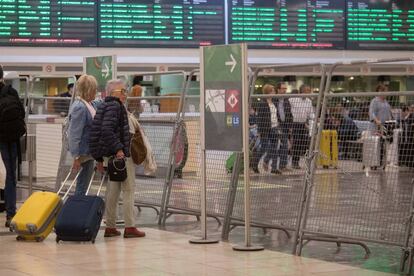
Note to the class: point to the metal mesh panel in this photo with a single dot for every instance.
(362, 187)
(149, 189)
(185, 193)
(58, 106)
(46, 125)
(277, 148)
(185, 188)
(159, 128)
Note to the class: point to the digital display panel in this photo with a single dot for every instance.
(380, 25)
(303, 24)
(278, 24)
(48, 22)
(161, 23)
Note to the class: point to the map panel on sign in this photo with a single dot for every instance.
(215, 100)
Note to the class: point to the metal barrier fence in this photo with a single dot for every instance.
(47, 106)
(183, 193)
(334, 188)
(358, 189)
(150, 188)
(44, 126)
(278, 147)
(280, 136)
(160, 128)
(367, 194)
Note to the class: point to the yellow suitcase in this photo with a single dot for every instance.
(328, 149)
(36, 217)
(334, 148)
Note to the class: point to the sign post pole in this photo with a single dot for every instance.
(204, 239)
(248, 246)
(224, 102)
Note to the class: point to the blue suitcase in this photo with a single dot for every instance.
(80, 217)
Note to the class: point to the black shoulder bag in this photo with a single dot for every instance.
(117, 168)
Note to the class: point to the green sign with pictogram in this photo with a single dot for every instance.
(103, 68)
(223, 79)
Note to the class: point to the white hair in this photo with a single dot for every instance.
(110, 85)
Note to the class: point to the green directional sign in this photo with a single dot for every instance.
(224, 63)
(103, 68)
(223, 76)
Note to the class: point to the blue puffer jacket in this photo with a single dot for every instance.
(105, 137)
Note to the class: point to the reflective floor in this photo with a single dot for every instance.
(348, 201)
(160, 253)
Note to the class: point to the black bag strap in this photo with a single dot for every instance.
(121, 122)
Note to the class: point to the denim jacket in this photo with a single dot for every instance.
(80, 121)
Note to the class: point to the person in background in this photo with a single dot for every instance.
(285, 119)
(62, 105)
(302, 112)
(254, 140)
(110, 136)
(134, 105)
(379, 113)
(81, 115)
(12, 127)
(252, 124)
(69, 92)
(406, 142)
(379, 108)
(346, 128)
(269, 131)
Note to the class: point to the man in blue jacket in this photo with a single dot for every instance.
(110, 136)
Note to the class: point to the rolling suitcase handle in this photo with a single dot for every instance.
(100, 184)
(70, 186)
(90, 182)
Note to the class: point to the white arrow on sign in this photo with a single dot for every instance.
(231, 63)
(105, 71)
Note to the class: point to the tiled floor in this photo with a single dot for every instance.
(160, 253)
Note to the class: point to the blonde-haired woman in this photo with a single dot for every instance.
(81, 114)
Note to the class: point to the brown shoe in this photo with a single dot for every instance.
(132, 232)
(111, 232)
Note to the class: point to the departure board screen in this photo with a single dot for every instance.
(303, 24)
(48, 22)
(380, 25)
(161, 23)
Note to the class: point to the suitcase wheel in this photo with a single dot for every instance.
(39, 239)
(19, 238)
(57, 240)
(93, 240)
